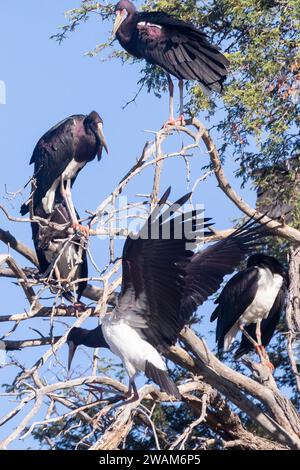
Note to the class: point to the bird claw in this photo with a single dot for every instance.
(269, 364)
(82, 229)
(170, 122)
(180, 121)
(264, 358)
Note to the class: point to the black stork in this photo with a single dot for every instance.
(176, 46)
(61, 254)
(59, 156)
(252, 302)
(163, 283)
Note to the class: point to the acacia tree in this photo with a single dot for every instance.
(223, 405)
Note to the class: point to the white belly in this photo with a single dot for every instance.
(268, 288)
(126, 343)
(69, 173)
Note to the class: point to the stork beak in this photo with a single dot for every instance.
(102, 140)
(72, 350)
(120, 17)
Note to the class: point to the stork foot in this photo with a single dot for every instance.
(269, 365)
(80, 228)
(180, 121)
(264, 357)
(170, 122)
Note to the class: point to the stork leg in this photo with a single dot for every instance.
(171, 121)
(260, 348)
(67, 196)
(249, 337)
(131, 395)
(264, 358)
(181, 121)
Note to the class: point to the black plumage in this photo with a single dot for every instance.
(154, 266)
(59, 156)
(163, 282)
(177, 46)
(61, 252)
(268, 326)
(80, 336)
(152, 287)
(251, 301)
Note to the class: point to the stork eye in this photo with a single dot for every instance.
(123, 12)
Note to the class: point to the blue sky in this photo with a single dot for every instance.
(45, 83)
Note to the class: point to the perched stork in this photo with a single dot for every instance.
(59, 156)
(252, 302)
(176, 46)
(162, 285)
(61, 254)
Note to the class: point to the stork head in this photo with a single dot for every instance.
(122, 10)
(265, 261)
(93, 123)
(80, 336)
(74, 339)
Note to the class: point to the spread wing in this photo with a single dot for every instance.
(208, 267)
(180, 48)
(268, 325)
(236, 296)
(153, 273)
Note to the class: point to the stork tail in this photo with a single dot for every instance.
(162, 379)
(24, 208)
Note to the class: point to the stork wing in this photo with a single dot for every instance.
(268, 325)
(208, 267)
(153, 273)
(236, 296)
(52, 154)
(180, 48)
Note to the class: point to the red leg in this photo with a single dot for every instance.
(80, 228)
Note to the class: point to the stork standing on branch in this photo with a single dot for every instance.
(58, 158)
(252, 302)
(163, 283)
(177, 46)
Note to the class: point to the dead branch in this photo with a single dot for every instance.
(214, 387)
(7, 238)
(284, 231)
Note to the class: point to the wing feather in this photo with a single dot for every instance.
(179, 48)
(236, 296)
(154, 270)
(208, 267)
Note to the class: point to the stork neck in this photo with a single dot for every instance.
(127, 28)
(94, 338)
